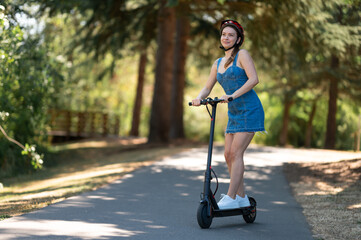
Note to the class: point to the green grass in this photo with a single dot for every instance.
(5, 216)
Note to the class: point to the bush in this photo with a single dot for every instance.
(27, 76)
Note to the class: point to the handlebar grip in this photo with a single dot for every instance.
(203, 102)
(230, 99)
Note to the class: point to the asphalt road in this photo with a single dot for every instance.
(160, 202)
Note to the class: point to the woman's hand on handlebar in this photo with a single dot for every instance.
(196, 102)
(226, 98)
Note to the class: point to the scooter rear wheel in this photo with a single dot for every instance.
(203, 220)
(249, 218)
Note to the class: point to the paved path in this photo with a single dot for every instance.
(160, 202)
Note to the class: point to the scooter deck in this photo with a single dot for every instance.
(233, 212)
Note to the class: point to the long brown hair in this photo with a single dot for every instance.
(233, 55)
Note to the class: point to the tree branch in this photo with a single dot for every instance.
(10, 139)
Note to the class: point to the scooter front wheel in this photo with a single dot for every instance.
(203, 220)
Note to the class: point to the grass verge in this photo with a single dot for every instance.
(330, 194)
(78, 167)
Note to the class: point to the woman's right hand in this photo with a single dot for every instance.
(196, 102)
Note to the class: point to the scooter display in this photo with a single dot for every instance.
(208, 208)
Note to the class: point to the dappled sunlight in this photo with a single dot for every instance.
(222, 180)
(70, 182)
(101, 143)
(196, 159)
(77, 201)
(261, 159)
(155, 226)
(180, 185)
(81, 173)
(330, 196)
(80, 229)
(279, 202)
(132, 206)
(124, 213)
(102, 72)
(197, 178)
(323, 188)
(259, 174)
(193, 160)
(276, 156)
(102, 198)
(262, 209)
(355, 206)
(140, 220)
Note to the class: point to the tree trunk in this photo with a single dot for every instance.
(332, 107)
(179, 78)
(308, 137)
(139, 95)
(286, 117)
(357, 135)
(160, 114)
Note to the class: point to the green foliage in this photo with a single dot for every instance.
(5, 216)
(347, 125)
(27, 76)
(93, 45)
(103, 27)
(273, 117)
(36, 159)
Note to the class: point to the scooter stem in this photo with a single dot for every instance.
(207, 182)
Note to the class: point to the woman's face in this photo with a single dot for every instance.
(229, 37)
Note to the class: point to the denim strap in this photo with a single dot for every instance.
(219, 61)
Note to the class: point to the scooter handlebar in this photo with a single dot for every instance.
(203, 102)
(210, 100)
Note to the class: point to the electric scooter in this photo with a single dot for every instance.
(208, 208)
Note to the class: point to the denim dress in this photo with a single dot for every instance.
(245, 113)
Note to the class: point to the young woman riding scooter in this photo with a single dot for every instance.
(237, 75)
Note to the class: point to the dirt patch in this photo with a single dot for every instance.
(330, 194)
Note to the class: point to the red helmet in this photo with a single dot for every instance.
(236, 26)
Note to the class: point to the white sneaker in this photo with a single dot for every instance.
(243, 202)
(228, 203)
(222, 196)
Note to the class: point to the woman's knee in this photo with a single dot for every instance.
(227, 155)
(231, 155)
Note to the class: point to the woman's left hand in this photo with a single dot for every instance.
(225, 98)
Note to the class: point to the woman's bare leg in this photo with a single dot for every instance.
(227, 150)
(235, 147)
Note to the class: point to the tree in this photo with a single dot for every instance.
(139, 95)
(27, 76)
(146, 25)
(179, 78)
(206, 30)
(109, 27)
(339, 34)
(305, 45)
(279, 39)
(308, 135)
(161, 105)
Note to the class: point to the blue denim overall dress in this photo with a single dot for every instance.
(245, 113)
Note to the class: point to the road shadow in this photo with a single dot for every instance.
(160, 202)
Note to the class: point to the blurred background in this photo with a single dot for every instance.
(75, 69)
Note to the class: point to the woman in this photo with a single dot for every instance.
(237, 75)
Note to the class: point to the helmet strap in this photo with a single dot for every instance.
(226, 49)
